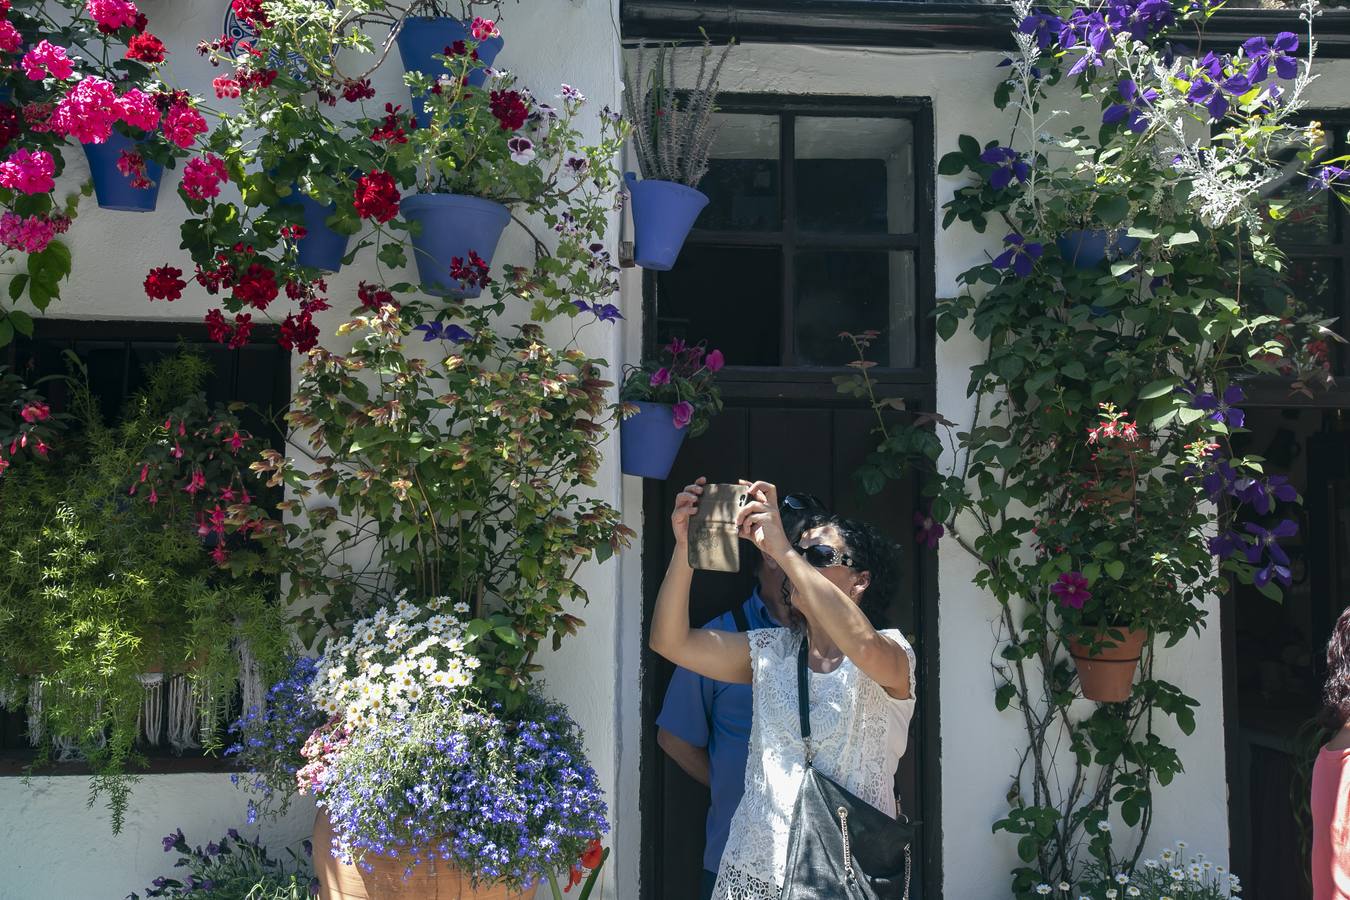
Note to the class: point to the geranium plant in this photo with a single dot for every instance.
(683, 376)
(105, 597)
(81, 69)
(361, 160)
(1086, 485)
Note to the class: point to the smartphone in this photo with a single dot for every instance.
(713, 543)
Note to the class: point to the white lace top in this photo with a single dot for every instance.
(858, 731)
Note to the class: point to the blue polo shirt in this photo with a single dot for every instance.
(716, 715)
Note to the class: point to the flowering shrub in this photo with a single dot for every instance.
(467, 472)
(79, 69)
(27, 426)
(1171, 875)
(509, 799)
(683, 377)
(231, 868)
(499, 142)
(99, 588)
(1087, 486)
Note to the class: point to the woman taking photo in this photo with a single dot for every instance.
(860, 684)
(1331, 775)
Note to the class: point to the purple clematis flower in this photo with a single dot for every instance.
(1327, 177)
(1262, 494)
(1223, 408)
(1047, 28)
(1132, 111)
(440, 331)
(1009, 165)
(1267, 541)
(1226, 544)
(1072, 590)
(1020, 256)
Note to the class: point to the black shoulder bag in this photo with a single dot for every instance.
(841, 847)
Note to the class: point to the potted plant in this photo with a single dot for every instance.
(130, 552)
(663, 402)
(233, 866)
(672, 135)
(424, 40)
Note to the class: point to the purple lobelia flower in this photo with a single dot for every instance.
(1072, 590)
(1020, 256)
(1008, 165)
(1223, 408)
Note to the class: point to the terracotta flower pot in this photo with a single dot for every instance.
(1107, 674)
(434, 880)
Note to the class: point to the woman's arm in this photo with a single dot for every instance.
(821, 601)
(720, 655)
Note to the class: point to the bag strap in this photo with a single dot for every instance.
(804, 701)
(738, 615)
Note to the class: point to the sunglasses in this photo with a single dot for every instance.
(801, 503)
(823, 556)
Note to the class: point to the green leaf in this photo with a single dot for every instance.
(1158, 388)
(1004, 695)
(1183, 237)
(1115, 568)
(1112, 210)
(969, 146)
(22, 322)
(951, 164)
(6, 332)
(16, 286)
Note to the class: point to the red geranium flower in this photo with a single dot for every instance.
(257, 286)
(377, 196)
(146, 48)
(299, 332)
(372, 296)
(357, 89)
(509, 109)
(164, 283)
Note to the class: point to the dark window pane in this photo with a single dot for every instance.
(742, 179)
(854, 290)
(1307, 217)
(855, 175)
(729, 296)
(1315, 282)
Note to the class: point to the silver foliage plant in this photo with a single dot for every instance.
(673, 129)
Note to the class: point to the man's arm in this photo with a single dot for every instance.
(694, 760)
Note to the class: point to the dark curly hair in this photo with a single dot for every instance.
(1336, 692)
(875, 553)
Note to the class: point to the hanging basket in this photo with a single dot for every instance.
(423, 37)
(321, 247)
(431, 880)
(453, 225)
(115, 190)
(1106, 674)
(649, 441)
(663, 214)
(1086, 248)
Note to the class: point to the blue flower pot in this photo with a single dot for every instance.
(422, 37)
(1087, 248)
(321, 247)
(111, 187)
(452, 225)
(663, 213)
(649, 441)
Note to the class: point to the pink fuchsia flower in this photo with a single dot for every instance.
(182, 124)
(88, 110)
(196, 482)
(715, 361)
(47, 59)
(202, 177)
(10, 39)
(483, 29)
(112, 14)
(659, 377)
(36, 412)
(138, 109)
(682, 413)
(1072, 590)
(29, 171)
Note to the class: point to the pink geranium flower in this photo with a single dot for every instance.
(47, 59)
(138, 109)
(87, 112)
(203, 177)
(183, 124)
(112, 14)
(28, 171)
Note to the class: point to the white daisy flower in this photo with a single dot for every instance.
(1043, 889)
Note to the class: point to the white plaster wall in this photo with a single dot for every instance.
(51, 846)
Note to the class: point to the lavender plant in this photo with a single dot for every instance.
(672, 126)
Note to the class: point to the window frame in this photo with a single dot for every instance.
(790, 240)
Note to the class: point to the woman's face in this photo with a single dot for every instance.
(850, 581)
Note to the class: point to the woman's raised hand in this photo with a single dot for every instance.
(686, 504)
(759, 521)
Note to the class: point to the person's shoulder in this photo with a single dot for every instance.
(777, 641)
(898, 636)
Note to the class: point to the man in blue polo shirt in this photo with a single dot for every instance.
(704, 724)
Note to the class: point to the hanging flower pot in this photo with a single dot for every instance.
(663, 213)
(1106, 673)
(113, 188)
(423, 37)
(1087, 248)
(649, 440)
(321, 247)
(454, 226)
(430, 880)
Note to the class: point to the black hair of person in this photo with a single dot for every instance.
(875, 553)
(1336, 691)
